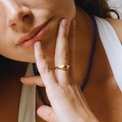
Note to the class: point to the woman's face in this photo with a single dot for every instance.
(23, 22)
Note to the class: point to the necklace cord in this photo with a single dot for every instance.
(92, 53)
(89, 67)
(37, 87)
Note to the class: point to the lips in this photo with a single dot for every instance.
(36, 34)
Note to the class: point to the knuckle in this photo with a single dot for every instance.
(42, 56)
(45, 69)
(63, 54)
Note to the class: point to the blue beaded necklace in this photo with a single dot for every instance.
(92, 53)
(89, 67)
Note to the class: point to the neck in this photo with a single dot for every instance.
(83, 44)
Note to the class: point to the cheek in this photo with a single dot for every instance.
(3, 43)
(2, 26)
(65, 8)
(3, 30)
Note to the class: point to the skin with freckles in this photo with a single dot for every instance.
(54, 32)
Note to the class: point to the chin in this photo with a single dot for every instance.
(29, 60)
(25, 58)
(33, 60)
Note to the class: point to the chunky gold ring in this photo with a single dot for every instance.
(63, 67)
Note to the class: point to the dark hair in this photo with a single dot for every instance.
(99, 8)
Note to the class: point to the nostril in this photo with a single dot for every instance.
(19, 15)
(25, 17)
(13, 24)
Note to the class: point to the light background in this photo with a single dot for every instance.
(116, 4)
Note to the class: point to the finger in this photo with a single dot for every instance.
(61, 51)
(32, 80)
(71, 45)
(47, 114)
(43, 67)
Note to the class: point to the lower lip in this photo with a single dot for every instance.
(38, 37)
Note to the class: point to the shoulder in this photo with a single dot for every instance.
(117, 25)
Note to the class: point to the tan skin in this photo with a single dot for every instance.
(101, 92)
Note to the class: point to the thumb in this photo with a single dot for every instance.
(32, 80)
(47, 113)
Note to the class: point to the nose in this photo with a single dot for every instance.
(17, 14)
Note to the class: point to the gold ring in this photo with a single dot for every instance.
(63, 67)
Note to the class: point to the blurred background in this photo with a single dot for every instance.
(116, 4)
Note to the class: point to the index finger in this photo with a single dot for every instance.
(45, 71)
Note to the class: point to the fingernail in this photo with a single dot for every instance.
(22, 79)
(73, 24)
(38, 45)
(64, 22)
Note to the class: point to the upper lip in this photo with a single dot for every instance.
(31, 33)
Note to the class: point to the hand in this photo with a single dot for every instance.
(67, 101)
